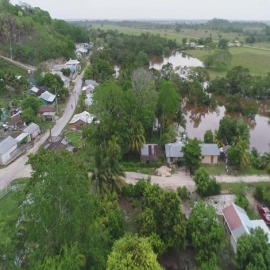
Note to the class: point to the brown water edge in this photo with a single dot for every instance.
(200, 119)
(176, 59)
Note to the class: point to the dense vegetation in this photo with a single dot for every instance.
(31, 36)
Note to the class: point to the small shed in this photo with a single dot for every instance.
(149, 153)
(8, 147)
(46, 113)
(23, 138)
(33, 130)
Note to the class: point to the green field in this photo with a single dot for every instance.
(256, 58)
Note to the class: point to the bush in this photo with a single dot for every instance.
(137, 190)
(183, 193)
(242, 202)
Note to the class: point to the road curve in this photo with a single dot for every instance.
(18, 169)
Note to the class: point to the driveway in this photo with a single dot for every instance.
(18, 169)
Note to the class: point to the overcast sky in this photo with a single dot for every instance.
(154, 9)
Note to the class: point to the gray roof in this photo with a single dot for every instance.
(90, 82)
(7, 144)
(144, 150)
(31, 128)
(47, 96)
(174, 149)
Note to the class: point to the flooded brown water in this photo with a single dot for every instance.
(201, 119)
(177, 59)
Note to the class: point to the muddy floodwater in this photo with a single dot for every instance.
(177, 59)
(201, 119)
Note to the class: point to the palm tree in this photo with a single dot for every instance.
(265, 162)
(99, 177)
(242, 145)
(137, 139)
(180, 119)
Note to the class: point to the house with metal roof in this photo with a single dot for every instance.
(78, 121)
(237, 223)
(33, 130)
(47, 98)
(8, 147)
(64, 79)
(210, 152)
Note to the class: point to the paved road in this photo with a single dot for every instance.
(181, 179)
(18, 168)
(24, 66)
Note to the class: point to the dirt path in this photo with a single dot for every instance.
(21, 65)
(181, 179)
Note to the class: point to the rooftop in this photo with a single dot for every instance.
(7, 144)
(47, 96)
(31, 128)
(84, 116)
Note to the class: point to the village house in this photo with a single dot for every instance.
(89, 86)
(8, 147)
(149, 153)
(81, 52)
(58, 68)
(38, 91)
(16, 120)
(46, 113)
(78, 121)
(47, 98)
(33, 130)
(74, 65)
(57, 143)
(210, 152)
(237, 223)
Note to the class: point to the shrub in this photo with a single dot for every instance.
(242, 201)
(183, 193)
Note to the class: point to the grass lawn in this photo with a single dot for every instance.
(46, 126)
(220, 169)
(75, 137)
(9, 205)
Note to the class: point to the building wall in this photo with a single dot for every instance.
(35, 133)
(233, 243)
(5, 157)
(78, 125)
(208, 160)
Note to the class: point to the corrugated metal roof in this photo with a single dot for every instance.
(84, 116)
(7, 144)
(47, 96)
(174, 149)
(21, 137)
(31, 128)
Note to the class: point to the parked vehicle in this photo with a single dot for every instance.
(264, 212)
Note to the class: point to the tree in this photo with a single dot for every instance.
(168, 102)
(206, 233)
(66, 71)
(134, 253)
(242, 201)
(234, 156)
(253, 250)
(163, 216)
(137, 139)
(208, 136)
(192, 155)
(265, 162)
(29, 116)
(32, 102)
(223, 43)
(206, 185)
(219, 60)
(51, 214)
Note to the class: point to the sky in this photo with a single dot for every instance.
(154, 9)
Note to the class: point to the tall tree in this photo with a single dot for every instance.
(132, 253)
(253, 251)
(265, 162)
(137, 139)
(192, 155)
(206, 233)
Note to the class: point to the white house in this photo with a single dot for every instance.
(78, 121)
(237, 223)
(33, 130)
(89, 86)
(8, 147)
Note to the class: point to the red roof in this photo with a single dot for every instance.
(232, 217)
(46, 109)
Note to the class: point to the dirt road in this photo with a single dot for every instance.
(181, 179)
